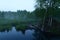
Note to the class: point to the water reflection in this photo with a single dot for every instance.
(16, 35)
(20, 32)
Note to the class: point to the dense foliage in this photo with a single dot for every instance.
(49, 12)
(7, 17)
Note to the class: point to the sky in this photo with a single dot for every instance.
(14, 5)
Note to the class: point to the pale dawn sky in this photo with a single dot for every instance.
(14, 5)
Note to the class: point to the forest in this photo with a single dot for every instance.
(46, 14)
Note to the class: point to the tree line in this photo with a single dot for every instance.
(18, 16)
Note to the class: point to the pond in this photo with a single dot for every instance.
(22, 33)
(17, 35)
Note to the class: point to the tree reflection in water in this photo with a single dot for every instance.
(39, 35)
(36, 34)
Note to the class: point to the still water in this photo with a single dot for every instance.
(27, 34)
(17, 35)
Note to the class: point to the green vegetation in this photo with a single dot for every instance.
(9, 17)
(19, 19)
(5, 28)
(21, 27)
(18, 26)
(9, 27)
(49, 12)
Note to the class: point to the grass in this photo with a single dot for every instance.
(4, 28)
(21, 27)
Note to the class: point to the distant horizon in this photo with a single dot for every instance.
(14, 5)
(14, 11)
